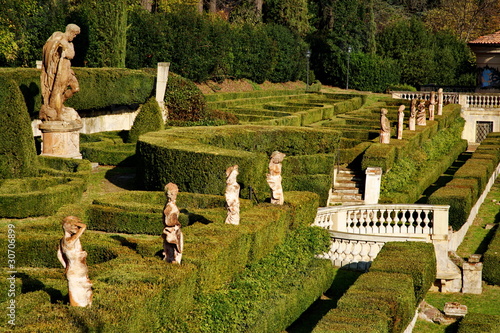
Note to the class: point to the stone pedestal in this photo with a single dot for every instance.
(61, 139)
(472, 276)
(372, 185)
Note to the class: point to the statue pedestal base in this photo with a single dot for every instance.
(61, 139)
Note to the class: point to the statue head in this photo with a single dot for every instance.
(277, 157)
(171, 191)
(401, 108)
(71, 31)
(232, 170)
(383, 112)
(69, 226)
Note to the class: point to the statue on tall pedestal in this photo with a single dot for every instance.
(60, 124)
(401, 117)
(173, 239)
(385, 127)
(440, 102)
(232, 196)
(74, 260)
(274, 178)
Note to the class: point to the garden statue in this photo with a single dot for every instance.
(432, 104)
(385, 127)
(232, 196)
(74, 260)
(401, 117)
(421, 114)
(58, 81)
(440, 102)
(413, 114)
(173, 239)
(274, 178)
(60, 125)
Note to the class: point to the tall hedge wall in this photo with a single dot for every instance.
(99, 87)
(196, 158)
(17, 146)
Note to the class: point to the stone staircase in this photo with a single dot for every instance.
(348, 188)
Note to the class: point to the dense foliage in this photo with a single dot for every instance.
(373, 44)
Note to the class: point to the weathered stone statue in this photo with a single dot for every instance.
(413, 115)
(74, 260)
(58, 81)
(274, 178)
(432, 105)
(232, 196)
(421, 115)
(173, 239)
(60, 125)
(401, 117)
(440, 102)
(385, 127)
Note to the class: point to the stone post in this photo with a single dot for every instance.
(432, 104)
(161, 86)
(38, 64)
(472, 272)
(440, 102)
(372, 185)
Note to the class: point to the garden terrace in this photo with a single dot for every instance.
(171, 154)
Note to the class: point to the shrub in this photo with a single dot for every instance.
(149, 119)
(370, 72)
(479, 323)
(413, 258)
(108, 148)
(184, 101)
(17, 146)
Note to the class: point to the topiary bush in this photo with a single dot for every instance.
(149, 119)
(184, 101)
(17, 146)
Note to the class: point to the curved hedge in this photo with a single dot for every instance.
(491, 260)
(108, 148)
(196, 158)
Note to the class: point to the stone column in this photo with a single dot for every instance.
(61, 139)
(440, 102)
(372, 185)
(472, 275)
(161, 86)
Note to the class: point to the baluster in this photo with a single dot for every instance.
(419, 217)
(348, 252)
(362, 221)
(387, 212)
(403, 217)
(365, 250)
(372, 222)
(374, 250)
(350, 221)
(426, 229)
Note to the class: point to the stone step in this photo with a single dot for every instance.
(347, 197)
(346, 183)
(347, 190)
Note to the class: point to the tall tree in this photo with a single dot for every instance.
(293, 14)
(466, 19)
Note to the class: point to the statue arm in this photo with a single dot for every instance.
(60, 256)
(73, 238)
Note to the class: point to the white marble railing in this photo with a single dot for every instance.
(448, 97)
(480, 100)
(399, 219)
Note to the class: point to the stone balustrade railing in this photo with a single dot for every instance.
(396, 219)
(359, 232)
(448, 97)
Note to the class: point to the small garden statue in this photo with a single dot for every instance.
(421, 121)
(274, 178)
(440, 102)
(232, 196)
(58, 81)
(173, 239)
(74, 260)
(401, 117)
(413, 115)
(432, 105)
(385, 127)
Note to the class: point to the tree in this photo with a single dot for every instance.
(466, 19)
(293, 14)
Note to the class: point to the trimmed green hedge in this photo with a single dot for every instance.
(196, 158)
(417, 259)
(479, 323)
(468, 182)
(17, 146)
(99, 87)
(389, 293)
(108, 148)
(149, 119)
(347, 321)
(491, 260)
